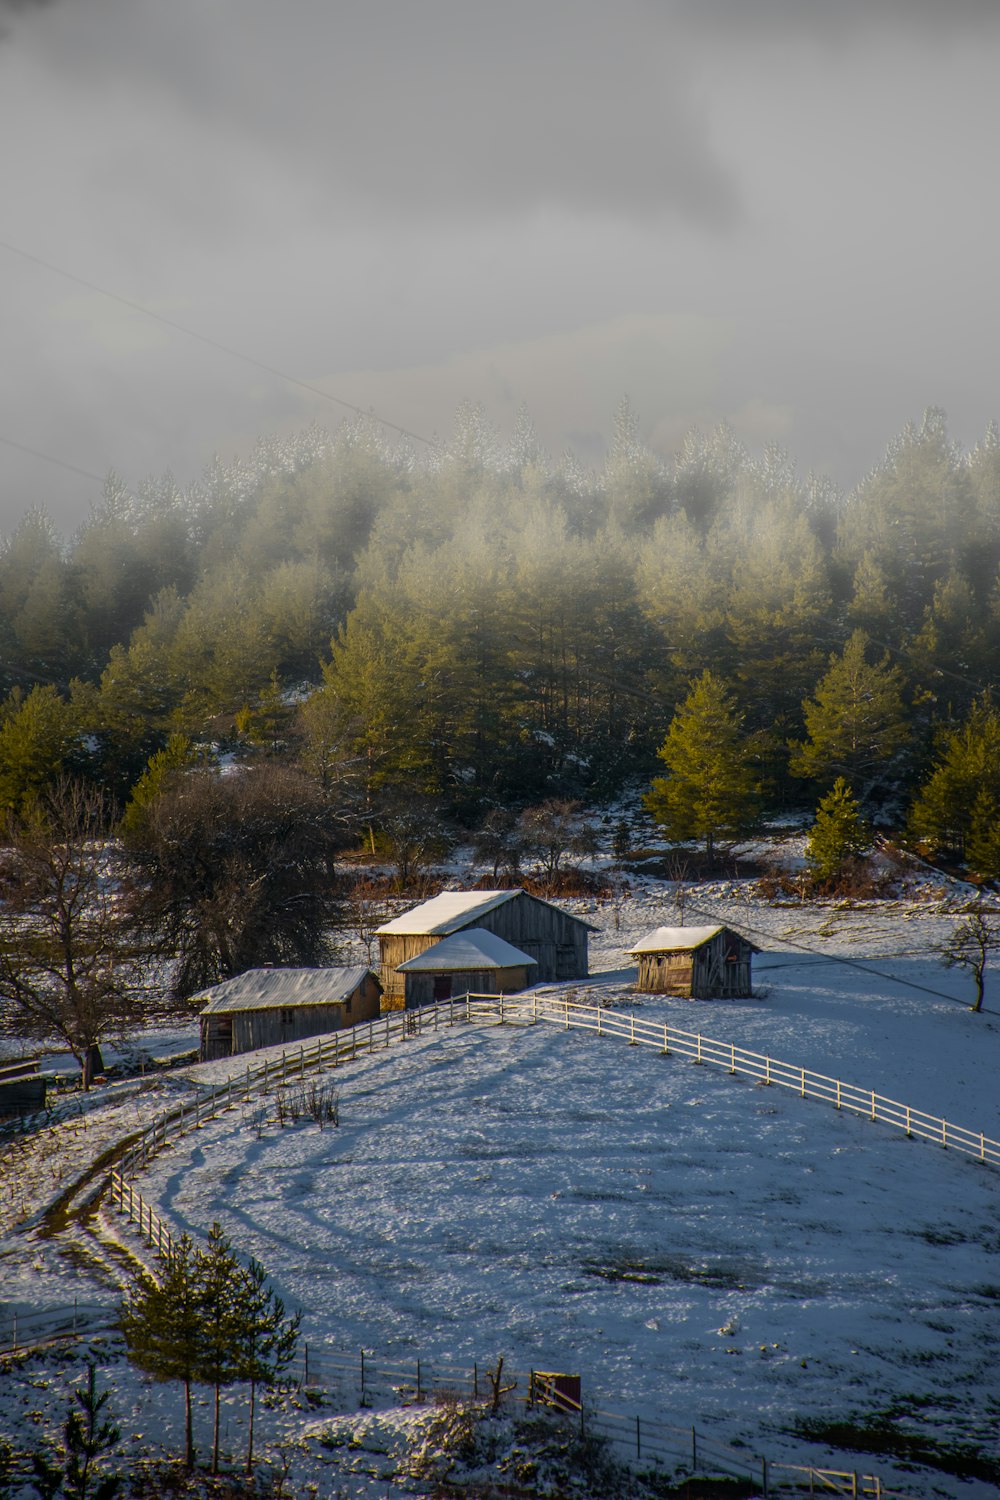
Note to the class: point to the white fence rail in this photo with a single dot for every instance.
(762, 1068)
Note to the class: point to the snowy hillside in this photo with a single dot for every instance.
(701, 1249)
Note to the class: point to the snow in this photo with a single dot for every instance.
(270, 989)
(701, 1250)
(674, 939)
(443, 913)
(474, 949)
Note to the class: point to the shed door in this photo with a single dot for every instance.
(442, 986)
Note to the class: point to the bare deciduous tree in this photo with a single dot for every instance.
(971, 944)
(65, 964)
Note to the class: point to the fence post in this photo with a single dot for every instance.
(944, 1134)
(638, 1439)
(767, 1070)
(803, 1083)
(363, 1398)
(475, 1380)
(694, 1450)
(306, 1349)
(419, 1394)
(838, 1093)
(874, 1112)
(631, 1040)
(501, 1007)
(666, 1041)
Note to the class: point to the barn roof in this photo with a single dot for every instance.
(684, 939)
(675, 939)
(267, 989)
(453, 910)
(475, 948)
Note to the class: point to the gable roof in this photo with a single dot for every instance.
(684, 939)
(445, 913)
(475, 948)
(675, 939)
(267, 989)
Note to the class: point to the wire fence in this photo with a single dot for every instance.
(638, 1440)
(356, 1380)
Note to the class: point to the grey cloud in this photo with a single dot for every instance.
(835, 21)
(443, 107)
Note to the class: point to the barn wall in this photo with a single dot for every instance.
(706, 974)
(420, 986)
(395, 949)
(264, 1028)
(556, 941)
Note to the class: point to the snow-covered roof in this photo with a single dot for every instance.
(475, 948)
(671, 939)
(453, 910)
(445, 913)
(264, 989)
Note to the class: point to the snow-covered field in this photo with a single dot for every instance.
(700, 1249)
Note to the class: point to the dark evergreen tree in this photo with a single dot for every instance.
(161, 1321)
(711, 791)
(856, 722)
(839, 834)
(266, 1338)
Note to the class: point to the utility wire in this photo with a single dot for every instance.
(203, 338)
(73, 468)
(835, 958)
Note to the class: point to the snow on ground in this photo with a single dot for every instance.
(702, 1250)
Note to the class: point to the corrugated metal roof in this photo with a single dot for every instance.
(473, 949)
(266, 989)
(674, 939)
(445, 913)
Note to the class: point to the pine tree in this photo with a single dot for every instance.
(711, 791)
(162, 1325)
(267, 1339)
(89, 1436)
(955, 802)
(839, 833)
(856, 722)
(220, 1288)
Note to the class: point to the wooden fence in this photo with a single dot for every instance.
(760, 1067)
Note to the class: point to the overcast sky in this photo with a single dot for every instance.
(778, 212)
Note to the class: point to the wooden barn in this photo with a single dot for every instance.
(472, 962)
(22, 1088)
(555, 941)
(696, 963)
(271, 1007)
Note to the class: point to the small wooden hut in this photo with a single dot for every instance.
(555, 941)
(22, 1088)
(695, 963)
(274, 1007)
(474, 962)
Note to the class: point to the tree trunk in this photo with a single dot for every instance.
(215, 1429)
(188, 1428)
(253, 1393)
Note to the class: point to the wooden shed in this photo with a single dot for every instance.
(696, 963)
(22, 1088)
(554, 940)
(473, 962)
(271, 1007)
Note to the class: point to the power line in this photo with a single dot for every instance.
(48, 458)
(203, 338)
(836, 958)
